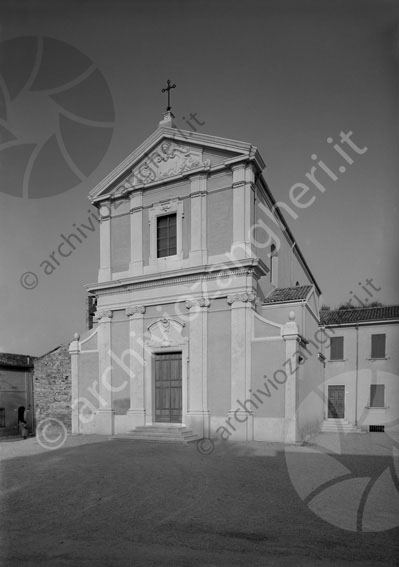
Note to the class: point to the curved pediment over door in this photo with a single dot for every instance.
(165, 333)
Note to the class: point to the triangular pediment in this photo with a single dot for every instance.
(169, 153)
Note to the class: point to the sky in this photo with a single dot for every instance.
(80, 89)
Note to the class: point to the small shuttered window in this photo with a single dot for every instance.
(337, 348)
(377, 395)
(378, 346)
(2, 417)
(166, 236)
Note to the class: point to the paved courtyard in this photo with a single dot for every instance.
(118, 502)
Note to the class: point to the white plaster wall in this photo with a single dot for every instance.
(384, 371)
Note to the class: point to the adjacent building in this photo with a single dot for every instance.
(361, 382)
(16, 392)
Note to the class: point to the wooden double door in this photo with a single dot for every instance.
(168, 387)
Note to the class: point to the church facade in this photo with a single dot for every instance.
(206, 308)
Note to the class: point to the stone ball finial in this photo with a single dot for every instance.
(76, 336)
(291, 315)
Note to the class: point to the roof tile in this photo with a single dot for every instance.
(16, 360)
(348, 316)
(297, 293)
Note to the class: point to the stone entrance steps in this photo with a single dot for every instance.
(163, 433)
(339, 426)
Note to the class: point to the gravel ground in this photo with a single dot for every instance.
(119, 502)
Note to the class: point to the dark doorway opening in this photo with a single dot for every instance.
(336, 402)
(168, 387)
(21, 413)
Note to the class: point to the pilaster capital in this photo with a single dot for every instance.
(198, 194)
(136, 195)
(198, 185)
(103, 315)
(238, 166)
(105, 212)
(243, 174)
(200, 302)
(244, 297)
(238, 184)
(138, 209)
(135, 310)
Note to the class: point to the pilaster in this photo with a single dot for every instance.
(198, 413)
(136, 233)
(105, 413)
(198, 193)
(104, 273)
(74, 351)
(241, 334)
(136, 413)
(243, 210)
(290, 335)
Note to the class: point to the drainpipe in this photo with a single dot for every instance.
(291, 263)
(357, 371)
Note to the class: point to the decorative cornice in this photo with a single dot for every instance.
(200, 302)
(244, 297)
(167, 281)
(251, 266)
(103, 314)
(135, 310)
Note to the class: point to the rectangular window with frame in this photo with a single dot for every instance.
(166, 236)
(2, 417)
(337, 348)
(378, 346)
(377, 395)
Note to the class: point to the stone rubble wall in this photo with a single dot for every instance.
(52, 386)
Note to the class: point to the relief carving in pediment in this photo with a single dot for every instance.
(167, 160)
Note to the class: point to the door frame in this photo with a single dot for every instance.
(161, 342)
(328, 397)
(154, 355)
(149, 383)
